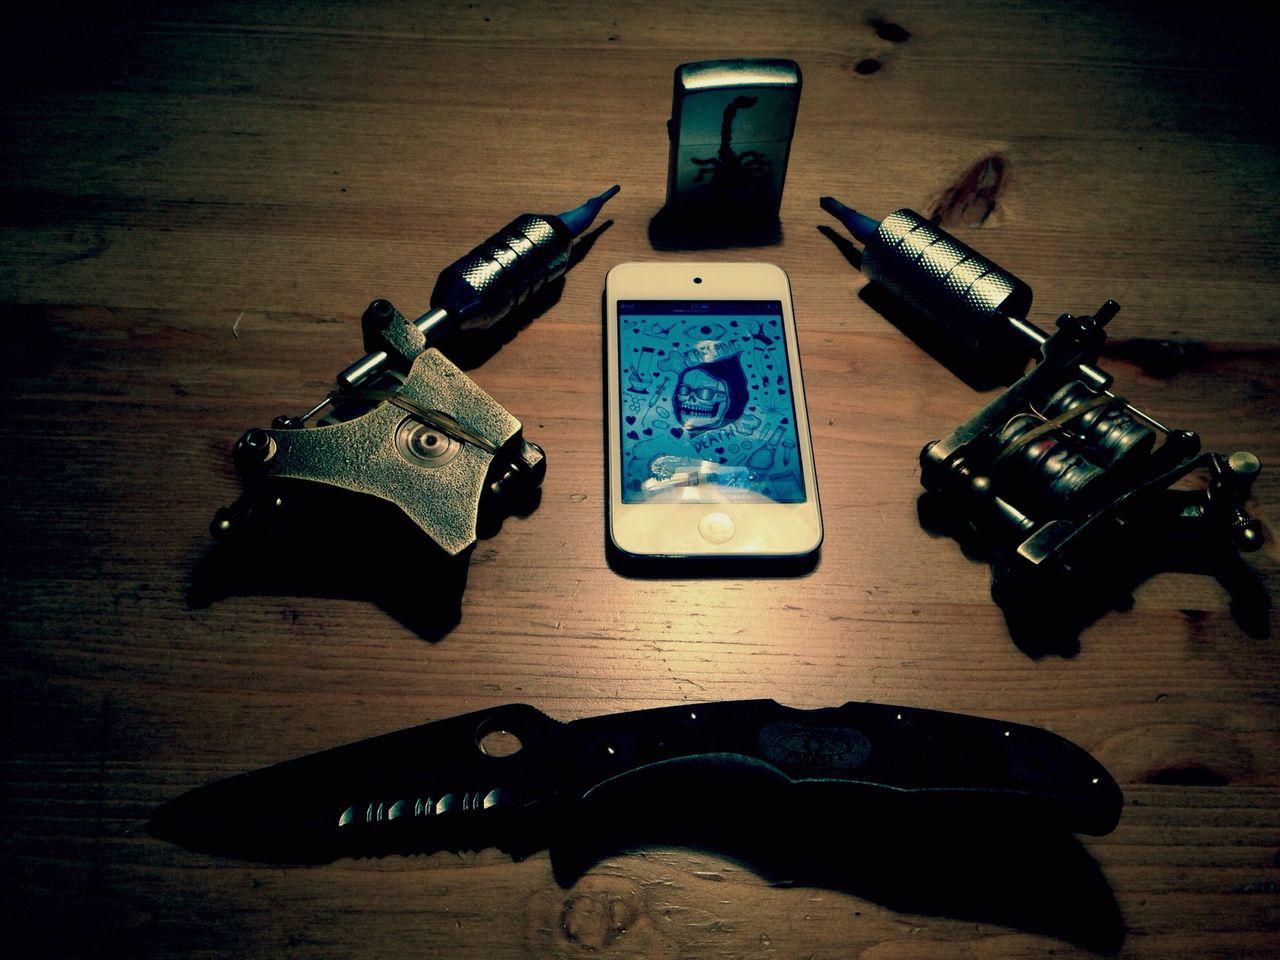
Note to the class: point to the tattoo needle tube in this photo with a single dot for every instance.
(479, 289)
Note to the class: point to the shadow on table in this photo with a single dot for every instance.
(713, 227)
(707, 568)
(334, 544)
(1046, 617)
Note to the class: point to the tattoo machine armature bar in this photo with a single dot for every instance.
(1061, 475)
(405, 425)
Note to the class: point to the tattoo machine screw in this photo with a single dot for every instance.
(1062, 479)
(405, 425)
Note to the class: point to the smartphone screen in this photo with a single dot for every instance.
(706, 402)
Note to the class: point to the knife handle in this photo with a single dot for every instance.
(900, 758)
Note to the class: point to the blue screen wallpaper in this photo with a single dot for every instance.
(706, 403)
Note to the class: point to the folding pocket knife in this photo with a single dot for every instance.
(446, 786)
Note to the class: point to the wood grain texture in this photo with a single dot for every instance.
(199, 200)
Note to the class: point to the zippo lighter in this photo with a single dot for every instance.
(730, 130)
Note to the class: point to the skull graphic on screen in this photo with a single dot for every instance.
(710, 395)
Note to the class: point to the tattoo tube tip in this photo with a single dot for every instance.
(860, 225)
(579, 218)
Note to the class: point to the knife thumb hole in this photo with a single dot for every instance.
(498, 742)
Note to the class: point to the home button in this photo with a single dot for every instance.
(716, 527)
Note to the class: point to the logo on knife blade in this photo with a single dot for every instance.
(814, 749)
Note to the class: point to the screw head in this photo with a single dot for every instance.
(380, 310)
(223, 524)
(255, 448)
(1249, 538)
(1244, 464)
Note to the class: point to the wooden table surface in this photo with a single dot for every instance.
(199, 201)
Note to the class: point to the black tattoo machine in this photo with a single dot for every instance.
(1074, 494)
(403, 424)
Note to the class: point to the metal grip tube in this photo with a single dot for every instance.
(482, 287)
(952, 284)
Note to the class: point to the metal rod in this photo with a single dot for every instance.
(317, 408)
(431, 325)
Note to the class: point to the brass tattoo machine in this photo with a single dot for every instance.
(405, 425)
(1062, 479)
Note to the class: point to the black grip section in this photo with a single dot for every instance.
(924, 761)
(482, 287)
